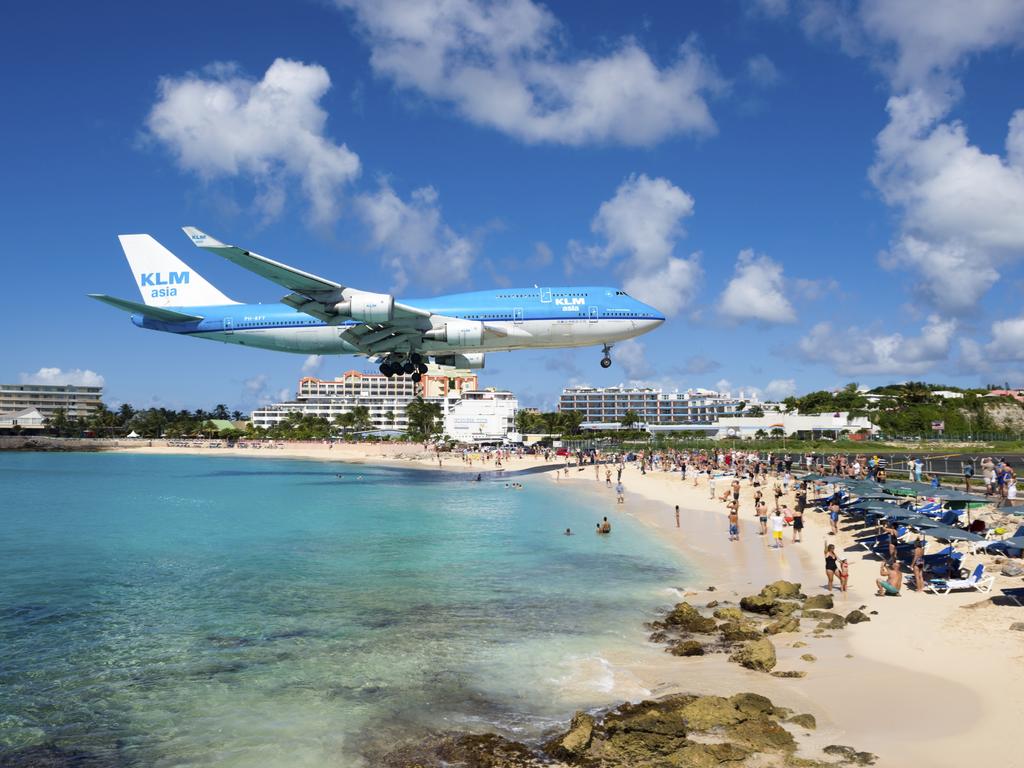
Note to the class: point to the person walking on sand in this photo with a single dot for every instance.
(761, 510)
(620, 493)
(833, 517)
(831, 564)
(734, 521)
(777, 526)
(711, 485)
(677, 515)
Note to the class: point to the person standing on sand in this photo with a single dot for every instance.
(917, 565)
(833, 517)
(734, 521)
(677, 515)
(761, 510)
(620, 491)
(798, 522)
(711, 485)
(831, 564)
(777, 526)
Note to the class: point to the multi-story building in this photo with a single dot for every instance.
(48, 398)
(605, 407)
(385, 398)
(480, 416)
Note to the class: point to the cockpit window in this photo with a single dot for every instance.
(621, 293)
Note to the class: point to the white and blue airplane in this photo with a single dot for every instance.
(322, 317)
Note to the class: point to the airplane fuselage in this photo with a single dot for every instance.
(522, 318)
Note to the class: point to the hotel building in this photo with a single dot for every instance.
(77, 402)
(605, 407)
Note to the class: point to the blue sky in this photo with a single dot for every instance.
(814, 192)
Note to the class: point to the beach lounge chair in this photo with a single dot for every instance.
(976, 580)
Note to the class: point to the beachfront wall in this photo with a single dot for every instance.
(792, 424)
(482, 416)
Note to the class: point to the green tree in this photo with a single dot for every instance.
(59, 423)
(361, 421)
(220, 411)
(630, 419)
(755, 410)
(424, 419)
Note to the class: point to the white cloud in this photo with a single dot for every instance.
(934, 36)
(503, 65)
(723, 385)
(961, 208)
(779, 389)
(58, 377)
(771, 7)
(632, 356)
(859, 352)
(417, 244)
(643, 223)
(220, 123)
(312, 364)
(762, 70)
(756, 291)
(1007, 342)
(698, 364)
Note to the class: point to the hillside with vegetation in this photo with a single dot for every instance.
(909, 409)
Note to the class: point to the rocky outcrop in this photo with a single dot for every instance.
(686, 618)
(758, 655)
(576, 741)
(758, 604)
(787, 624)
(683, 731)
(739, 631)
(856, 617)
(784, 590)
(686, 648)
(728, 614)
(804, 721)
(849, 755)
(820, 602)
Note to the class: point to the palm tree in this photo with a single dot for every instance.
(237, 415)
(424, 418)
(220, 411)
(59, 423)
(361, 421)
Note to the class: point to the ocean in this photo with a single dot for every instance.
(202, 611)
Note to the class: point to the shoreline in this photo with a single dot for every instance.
(936, 649)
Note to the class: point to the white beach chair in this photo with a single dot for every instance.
(977, 580)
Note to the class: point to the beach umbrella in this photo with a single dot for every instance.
(922, 523)
(945, 533)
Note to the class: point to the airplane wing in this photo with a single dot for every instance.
(310, 293)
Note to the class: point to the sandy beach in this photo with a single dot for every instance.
(930, 679)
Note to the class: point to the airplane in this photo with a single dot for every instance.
(323, 317)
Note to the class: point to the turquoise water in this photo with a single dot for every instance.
(183, 610)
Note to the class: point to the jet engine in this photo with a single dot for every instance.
(470, 360)
(367, 307)
(458, 333)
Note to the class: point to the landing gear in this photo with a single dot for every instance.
(414, 365)
(606, 361)
(416, 378)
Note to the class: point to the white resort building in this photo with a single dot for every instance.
(470, 415)
(77, 402)
(605, 407)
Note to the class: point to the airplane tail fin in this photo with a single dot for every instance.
(164, 280)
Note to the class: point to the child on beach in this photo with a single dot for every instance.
(777, 525)
(620, 491)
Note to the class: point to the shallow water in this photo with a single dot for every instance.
(184, 610)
